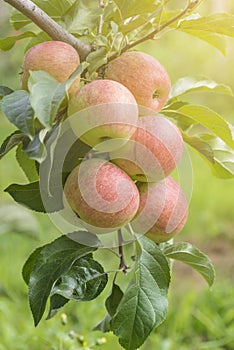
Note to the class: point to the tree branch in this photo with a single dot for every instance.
(190, 6)
(48, 25)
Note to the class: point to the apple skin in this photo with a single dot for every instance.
(144, 76)
(102, 195)
(153, 152)
(163, 210)
(104, 110)
(57, 58)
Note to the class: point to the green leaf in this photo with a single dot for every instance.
(198, 84)
(144, 304)
(84, 281)
(82, 19)
(27, 165)
(4, 91)
(135, 7)
(47, 94)
(53, 262)
(54, 8)
(211, 29)
(28, 195)
(28, 265)
(11, 141)
(113, 300)
(112, 303)
(39, 38)
(222, 161)
(56, 303)
(193, 257)
(35, 149)
(211, 120)
(8, 43)
(19, 112)
(96, 59)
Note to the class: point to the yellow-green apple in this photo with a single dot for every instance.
(144, 76)
(103, 110)
(163, 210)
(57, 58)
(153, 151)
(102, 195)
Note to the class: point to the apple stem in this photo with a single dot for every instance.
(122, 265)
(48, 25)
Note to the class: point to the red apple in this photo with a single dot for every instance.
(102, 195)
(163, 210)
(103, 110)
(57, 58)
(144, 76)
(153, 151)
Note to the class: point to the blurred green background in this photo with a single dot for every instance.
(198, 318)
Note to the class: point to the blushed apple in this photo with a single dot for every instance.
(103, 110)
(102, 195)
(57, 58)
(144, 76)
(153, 151)
(163, 210)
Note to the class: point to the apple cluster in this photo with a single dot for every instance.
(118, 115)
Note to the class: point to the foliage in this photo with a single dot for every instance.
(64, 269)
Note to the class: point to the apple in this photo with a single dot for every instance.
(103, 111)
(102, 195)
(144, 76)
(153, 151)
(163, 210)
(57, 58)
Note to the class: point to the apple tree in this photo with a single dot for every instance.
(100, 133)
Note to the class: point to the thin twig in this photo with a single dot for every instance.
(48, 25)
(190, 6)
(122, 264)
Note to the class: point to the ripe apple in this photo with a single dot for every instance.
(163, 210)
(153, 151)
(144, 76)
(57, 58)
(103, 110)
(102, 195)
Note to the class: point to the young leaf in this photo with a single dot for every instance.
(54, 261)
(198, 84)
(81, 18)
(28, 195)
(193, 257)
(84, 281)
(8, 43)
(28, 165)
(135, 7)
(144, 304)
(54, 8)
(19, 112)
(11, 141)
(4, 91)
